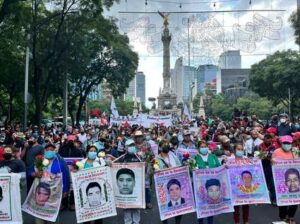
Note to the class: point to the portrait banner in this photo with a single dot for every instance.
(248, 182)
(10, 199)
(191, 152)
(212, 192)
(93, 192)
(44, 198)
(286, 174)
(129, 184)
(174, 192)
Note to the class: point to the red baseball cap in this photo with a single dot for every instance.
(272, 130)
(286, 138)
(296, 134)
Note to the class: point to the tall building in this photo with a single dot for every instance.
(141, 86)
(182, 79)
(137, 88)
(230, 59)
(131, 90)
(205, 74)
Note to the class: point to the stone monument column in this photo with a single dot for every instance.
(166, 39)
(166, 99)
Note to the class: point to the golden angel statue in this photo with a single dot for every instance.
(165, 17)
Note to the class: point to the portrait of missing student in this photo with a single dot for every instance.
(292, 180)
(174, 191)
(94, 194)
(129, 184)
(125, 181)
(42, 194)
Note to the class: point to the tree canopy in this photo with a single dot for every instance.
(274, 76)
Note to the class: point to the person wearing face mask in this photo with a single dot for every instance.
(167, 159)
(146, 154)
(239, 155)
(285, 127)
(11, 164)
(206, 160)
(56, 166)
(30, 151)
(251, 143)
(71, 149)
(268, 147)
(286, 213)
(130, 215)
(82, 137)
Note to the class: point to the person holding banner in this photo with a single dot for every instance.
(206, 160)
(239, 155)
(56, 166)
(131, 216)
(90, 162)
(146, 154)
(167, 159)
(286, 213)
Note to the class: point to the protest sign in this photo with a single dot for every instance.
(44, 198)
(212, 192)
(174, 192)
(129, 184)
(10, 199)
(93, 192)
(248, 182)
(286, 174)
(192, 152)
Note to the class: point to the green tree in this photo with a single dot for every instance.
(295, 22)
(274, 76)
(196, 103)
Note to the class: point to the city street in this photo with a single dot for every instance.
(259, 214)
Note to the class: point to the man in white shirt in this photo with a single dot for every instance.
(252, 143)
(82, 136)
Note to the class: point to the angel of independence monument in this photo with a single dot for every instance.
(166, 98)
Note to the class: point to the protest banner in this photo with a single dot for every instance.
(93, 192)
(192, 152)
(129, 184)
(286, 174)
(10, 199)
(248, 182)
(212, 192)
(174, 192)
(44, 198)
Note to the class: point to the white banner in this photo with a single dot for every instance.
(44, 198)
(144, 120)
(129, 184)
(93, 192)
(10, 199)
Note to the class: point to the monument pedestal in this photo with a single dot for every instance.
(166, 101)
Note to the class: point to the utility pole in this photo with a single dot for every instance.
(26, 83)
(289, 92)
(189, 46)
(65, 99)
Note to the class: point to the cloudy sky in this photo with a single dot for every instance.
(255, 33)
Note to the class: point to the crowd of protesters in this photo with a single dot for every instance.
(216, 141)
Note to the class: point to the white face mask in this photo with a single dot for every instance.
(282, 120)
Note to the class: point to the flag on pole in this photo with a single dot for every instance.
(186, 112)
(113, 108)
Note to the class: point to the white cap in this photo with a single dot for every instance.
(129, 142)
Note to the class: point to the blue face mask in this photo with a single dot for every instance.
(131, 150)
(287, 147)
(50, 155)
(239, 154)
(203, 151)
(92, 155)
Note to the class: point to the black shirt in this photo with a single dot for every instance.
(14, 166)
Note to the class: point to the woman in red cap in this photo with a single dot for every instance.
(286, 213)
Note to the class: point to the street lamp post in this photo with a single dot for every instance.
(26, 83)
